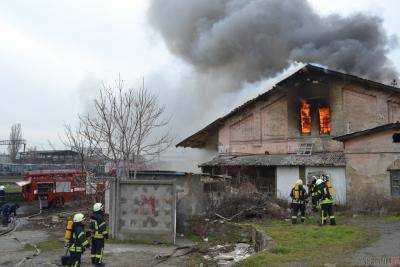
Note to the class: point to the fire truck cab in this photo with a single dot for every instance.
(56, 186)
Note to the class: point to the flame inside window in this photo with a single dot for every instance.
(305, 117)
(324, 120)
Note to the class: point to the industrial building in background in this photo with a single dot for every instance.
(48, 157)
(296, 130)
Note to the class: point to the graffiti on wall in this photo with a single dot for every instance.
(147, 207)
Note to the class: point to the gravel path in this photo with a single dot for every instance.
(383, 252)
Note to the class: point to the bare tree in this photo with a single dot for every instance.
(89, 156)
(129, 125)
(76, 140)
(15, 141)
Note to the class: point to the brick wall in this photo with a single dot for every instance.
(272, 126)
(368, 159)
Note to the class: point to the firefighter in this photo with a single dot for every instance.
(98, 226)
(2, 194)
(313, 193)
(7, 211)
(78, 242)
(325, 198)
(299, 197)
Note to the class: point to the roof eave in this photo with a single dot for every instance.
(377, 129)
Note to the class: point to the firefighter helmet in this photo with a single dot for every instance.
(299, 182)
(79, 217)
(97, 207)
(319, 181)
(325, 177)
(2, 187)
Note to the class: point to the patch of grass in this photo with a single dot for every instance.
(391, 218)
(29, 247)
(12, 188)
(47, 245)
(308, 242)
(197, 239)
(194, 238)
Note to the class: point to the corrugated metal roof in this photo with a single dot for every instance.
(317, 159)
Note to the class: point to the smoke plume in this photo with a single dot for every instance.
(245, 41)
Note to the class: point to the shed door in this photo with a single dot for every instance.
(395, 182)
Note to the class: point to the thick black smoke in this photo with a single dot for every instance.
(250, 40)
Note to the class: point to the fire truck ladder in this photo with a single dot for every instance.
(305, 149)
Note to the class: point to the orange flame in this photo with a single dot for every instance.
(324, 120)
(305, 117)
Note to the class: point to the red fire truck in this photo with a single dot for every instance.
(56, 186)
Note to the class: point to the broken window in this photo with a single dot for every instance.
(305, 117)
(395, 182)
(324, 120)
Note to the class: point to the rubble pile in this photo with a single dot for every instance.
(248, 203)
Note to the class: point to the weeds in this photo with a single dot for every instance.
(308, 243)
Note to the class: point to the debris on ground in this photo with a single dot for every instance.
(178, 252)
(241, 252)
(248, 203)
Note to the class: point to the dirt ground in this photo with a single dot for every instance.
(46, 233)
(38, 241)
(16, 250)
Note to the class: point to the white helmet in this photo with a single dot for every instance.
(97, 207)
(79, 217)
(319, 181)
(2, 187)
(299, 182)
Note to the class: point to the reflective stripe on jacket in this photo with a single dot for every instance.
(298, 194)
(98, 225)
(325, 196)
(78, 241)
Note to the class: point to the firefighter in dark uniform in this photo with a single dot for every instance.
(325, 198)
(98, 227)
(8, 210)
(313, 193)
(299, 197)
(2, 194)
(78, 242)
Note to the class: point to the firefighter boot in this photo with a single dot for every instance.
(303, 219)
(294, 220)
(333, 220)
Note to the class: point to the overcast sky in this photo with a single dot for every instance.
(51, 52)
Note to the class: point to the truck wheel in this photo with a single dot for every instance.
(59, 202)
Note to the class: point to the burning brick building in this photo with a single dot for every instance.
(290, 131)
